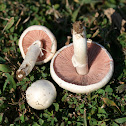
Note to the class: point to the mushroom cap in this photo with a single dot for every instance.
(41, 94)
(48, 40)
(100, 65)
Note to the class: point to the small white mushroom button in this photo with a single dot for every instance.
(41, 94)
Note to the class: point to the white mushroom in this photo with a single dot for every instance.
(41, 94)
(38, 45)
(83, 66)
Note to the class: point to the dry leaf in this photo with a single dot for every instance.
(48, 2)
(26, 19)
(18, 22)
(9, 24)
(115, 18)
(56, 13)
(121, 88)
(96, 32)
(96, 14)
(108, 12)
(49, 11)
(77, 1)
(122, 82)
(109, 102)
(68, 40)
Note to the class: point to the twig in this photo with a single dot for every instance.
(4, 18)
(85, 120)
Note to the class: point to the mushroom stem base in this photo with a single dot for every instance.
(82, 69)
(29, 61)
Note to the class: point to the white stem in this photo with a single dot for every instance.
(30, 60)
(80, 58)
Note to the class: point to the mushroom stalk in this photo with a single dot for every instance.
(80, 58)
(30, 60)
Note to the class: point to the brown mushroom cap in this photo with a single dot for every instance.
(43, 34)
(34, 35)
(100, 67)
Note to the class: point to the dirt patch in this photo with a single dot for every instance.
(78, 27)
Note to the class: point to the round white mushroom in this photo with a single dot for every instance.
(41, 94)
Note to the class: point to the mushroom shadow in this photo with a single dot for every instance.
(118, 21)
(116, 48)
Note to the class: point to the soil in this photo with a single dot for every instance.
(78, 27)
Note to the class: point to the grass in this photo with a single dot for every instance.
(106, 106)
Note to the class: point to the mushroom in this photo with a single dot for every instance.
(37, 45)
(41, 94)
(82, 66)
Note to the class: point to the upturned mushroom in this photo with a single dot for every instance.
(37, 45)
(82, 66)
(41, 94)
